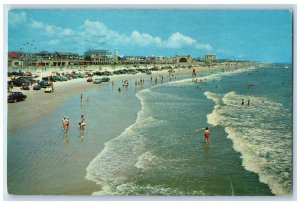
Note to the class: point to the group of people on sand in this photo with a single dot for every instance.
(67, 124)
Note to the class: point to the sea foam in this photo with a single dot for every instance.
(261, 132)
(123, 154)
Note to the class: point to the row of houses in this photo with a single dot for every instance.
(90, 57)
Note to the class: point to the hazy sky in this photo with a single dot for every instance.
(262, 35)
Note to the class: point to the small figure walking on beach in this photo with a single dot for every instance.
(248, 102)
(194, 72)
(243, 102)
(207, 134)
(81, 97)
(67, 124)
(82, 123)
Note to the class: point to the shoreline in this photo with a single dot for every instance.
(87, 187)
(38, 103)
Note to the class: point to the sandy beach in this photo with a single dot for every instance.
(38, 103)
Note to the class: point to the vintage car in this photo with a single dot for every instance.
(36, 87)
(16, 97)
(45, 84)
(89, 80)
(105, 79)
(25, 86)
(49, 89)
(97, 81)
(18, 82)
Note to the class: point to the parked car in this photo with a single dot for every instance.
(57, 78)
(25, 86)
(18, 82)
(132, 72)
(63, 78)
(36, 87)
(148, 72)
(49, 89)
(116, 72)
(45, 84)
(106, 73)
(97, 81)
(98, 73)
(28, 78)
(105, 79)
(89, 80)
(16, 97)
(49, 78)
(69, 76)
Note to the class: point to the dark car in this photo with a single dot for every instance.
(63, 78)
(19, 82)
(28, 78)
(45, 84)
(116, 72)
(105, 79)
(16, 97)
(57, 78)
(49, 78)
(36, 87)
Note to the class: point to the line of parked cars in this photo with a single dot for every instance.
(101, 80)
(25, 79)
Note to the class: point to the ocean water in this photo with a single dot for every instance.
(149, 140)
(164, 153)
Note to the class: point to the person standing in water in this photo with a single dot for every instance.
(207, 134)
(242, 101)
(67, 124)
(82, 122)
(248, 102)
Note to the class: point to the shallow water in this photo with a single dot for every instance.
(145, 140)
(161, 154)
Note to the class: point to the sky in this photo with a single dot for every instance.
(256, 35)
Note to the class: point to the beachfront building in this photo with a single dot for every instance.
(15, 59)
(99, 57)
(64, 58)
(210, 58)
(183, 59)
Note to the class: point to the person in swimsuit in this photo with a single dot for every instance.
(67, 124)
(82, 122)
(207, 134)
